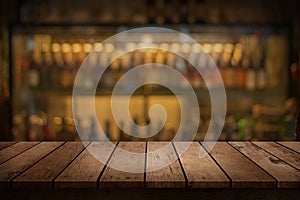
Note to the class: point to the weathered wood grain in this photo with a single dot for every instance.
(84, 171)
(171, 175)
(292, 145)
(69, 165)
(14, 150)
(286, 176)
(200, 172)
(43, 173)
(242, 172)
(134, 165)
(281, 152)
(3, 145)
(18, 164)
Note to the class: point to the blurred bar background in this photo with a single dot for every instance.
(255, 44)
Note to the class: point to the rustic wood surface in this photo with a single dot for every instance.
(3, 145)
(291, 145)
(84, 171)
(201, 172)
(286, 176)
(242, 172)
(14, 150)
(285, 154)
(43, 172)
(22, 162)
(71, 165)
(113, 178)
(170, 176)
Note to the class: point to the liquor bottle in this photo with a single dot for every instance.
(170, 59)
(138, 58)
(225, 66)
(246, 63)
(126, 61)
(77, 53)
(63, 134)
(240, 75)
(56, 66)
(160, 57)
(57, 127)
(261, 78)
(250, 78)
(67, 73)
(236, 61)
(34, 75)
(46, 132)
(258, 63)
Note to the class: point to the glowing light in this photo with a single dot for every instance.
(66, 47)
(76, 47)
(55, 47)
(87, 47)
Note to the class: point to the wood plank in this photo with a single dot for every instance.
(85, 169)
(242, 172)
(14, 150)
(43, 173)
(200, 172)
(286, 176)
(112, 178)
(170, 176)
(21, 162)
(281, 152)
(3, 145)
(292, 145)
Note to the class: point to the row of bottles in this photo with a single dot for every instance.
(54, 64)
(237, 127)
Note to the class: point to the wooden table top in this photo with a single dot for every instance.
(228, 165)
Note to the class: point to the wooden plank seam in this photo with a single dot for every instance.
(24, 150)
(10, 181)
(208, 154)
(276, 156)
(277, 183)
(145, 167)
(181, 166)
(53, 181)
(287, 147)
(105, 165)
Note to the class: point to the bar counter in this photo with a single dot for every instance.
(230, 166)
